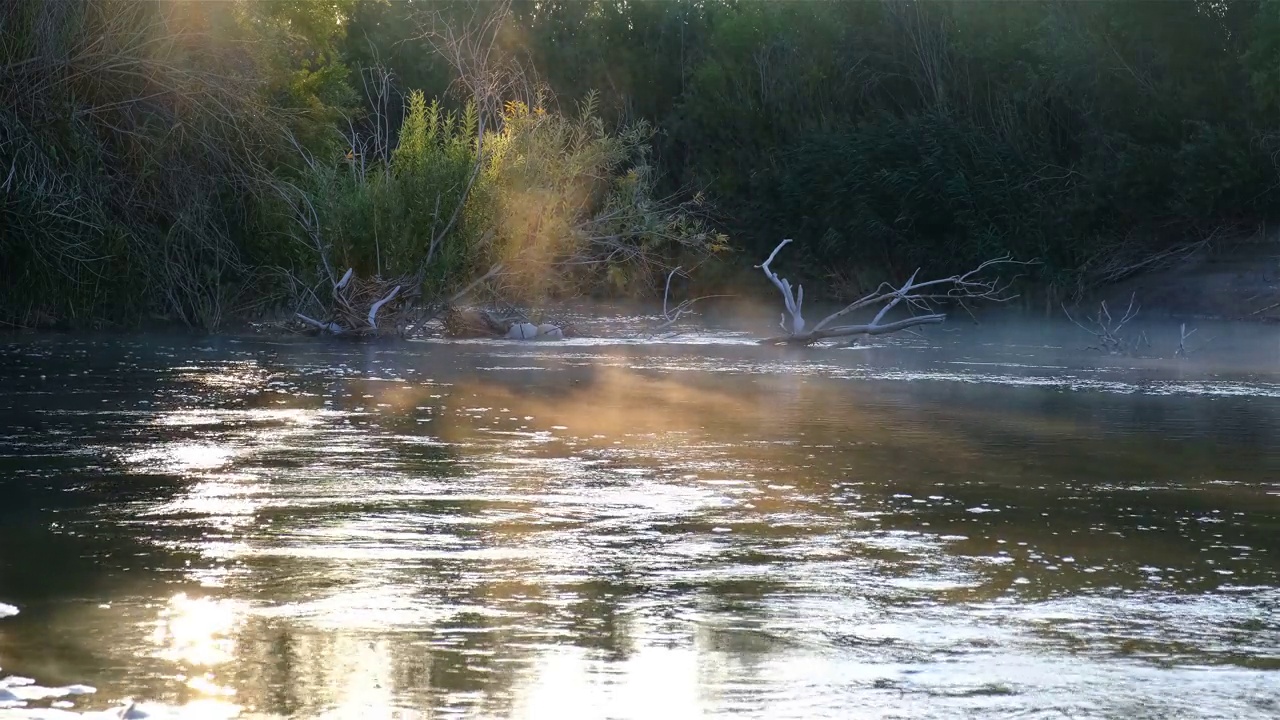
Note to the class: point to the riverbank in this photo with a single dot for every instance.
(1230, 281)
(1236, 280)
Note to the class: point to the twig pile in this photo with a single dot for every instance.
(367, 306)
(472, 323)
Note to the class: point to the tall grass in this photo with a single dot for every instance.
(564, 204)
(131, 137)
(153, 165)
(894, 135)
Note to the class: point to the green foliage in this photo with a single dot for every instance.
(380, 218)
(154, 155)
(1263, 56)
(296, 47)
(578, 203)
(562, 202)
(893, 136)
(131, 140)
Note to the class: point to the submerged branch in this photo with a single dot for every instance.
(852, 330)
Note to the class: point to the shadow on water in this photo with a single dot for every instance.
(986, 524)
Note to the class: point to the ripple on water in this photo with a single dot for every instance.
(706, 527)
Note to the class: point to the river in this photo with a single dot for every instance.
(985, 524)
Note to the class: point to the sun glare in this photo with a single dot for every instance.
(196, 632)
(655, 682)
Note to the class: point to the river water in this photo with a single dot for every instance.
(981, 525)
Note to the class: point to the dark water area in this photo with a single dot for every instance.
(980, 524)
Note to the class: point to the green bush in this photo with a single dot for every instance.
(155, 158)
(563, 204)
(134, 137)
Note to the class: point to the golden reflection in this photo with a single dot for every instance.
(614, 403)
(233, 375)
(361, 679)
(297, 670)
(712, 425)
(205, 685)
(197, 632)
(566, 684)
(205, 709)
(755, 455)
(183, 456)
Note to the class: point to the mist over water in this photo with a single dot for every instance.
(983, 521)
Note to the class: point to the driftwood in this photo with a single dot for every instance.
(380, 307)
(359, 305)
(914, 295)
(377, 307)
(473, 323)
(671, 315)
(1183, 336)
(1106, 329)
(470, 323)
(1184, 351)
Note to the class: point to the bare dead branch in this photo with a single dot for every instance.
(670, 315)
(792, 300)
(1107, 329)
(329, 327)
(468, 45)
(374, 308)
(922, 296)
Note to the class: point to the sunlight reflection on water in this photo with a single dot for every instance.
(598, 529)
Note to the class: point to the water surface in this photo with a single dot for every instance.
(984, 525)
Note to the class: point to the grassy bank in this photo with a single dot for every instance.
(163, 165)
(201, 161)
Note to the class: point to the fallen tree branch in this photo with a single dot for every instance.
(1108, 329)
(1185, 352)
(851, 330)
(923, 296)
(670, 316)
(374, 308)
(474, 283)
(347, 313)
(1272, 306)
(329, 327)
(430, 311)
(793, 301)
(1183, 336)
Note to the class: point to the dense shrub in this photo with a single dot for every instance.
(194, 160)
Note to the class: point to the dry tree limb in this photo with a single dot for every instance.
(374, 308)
(923, 296)
(1259, 311)
(330, 327)
(469, 46)
(420, 314)
(1107, 329)
(792, 300)
(457, 321)
(492, 272)
(1183, 336)
(672, 315)
(1132, 256)
(347, 313)
(1183, 350)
